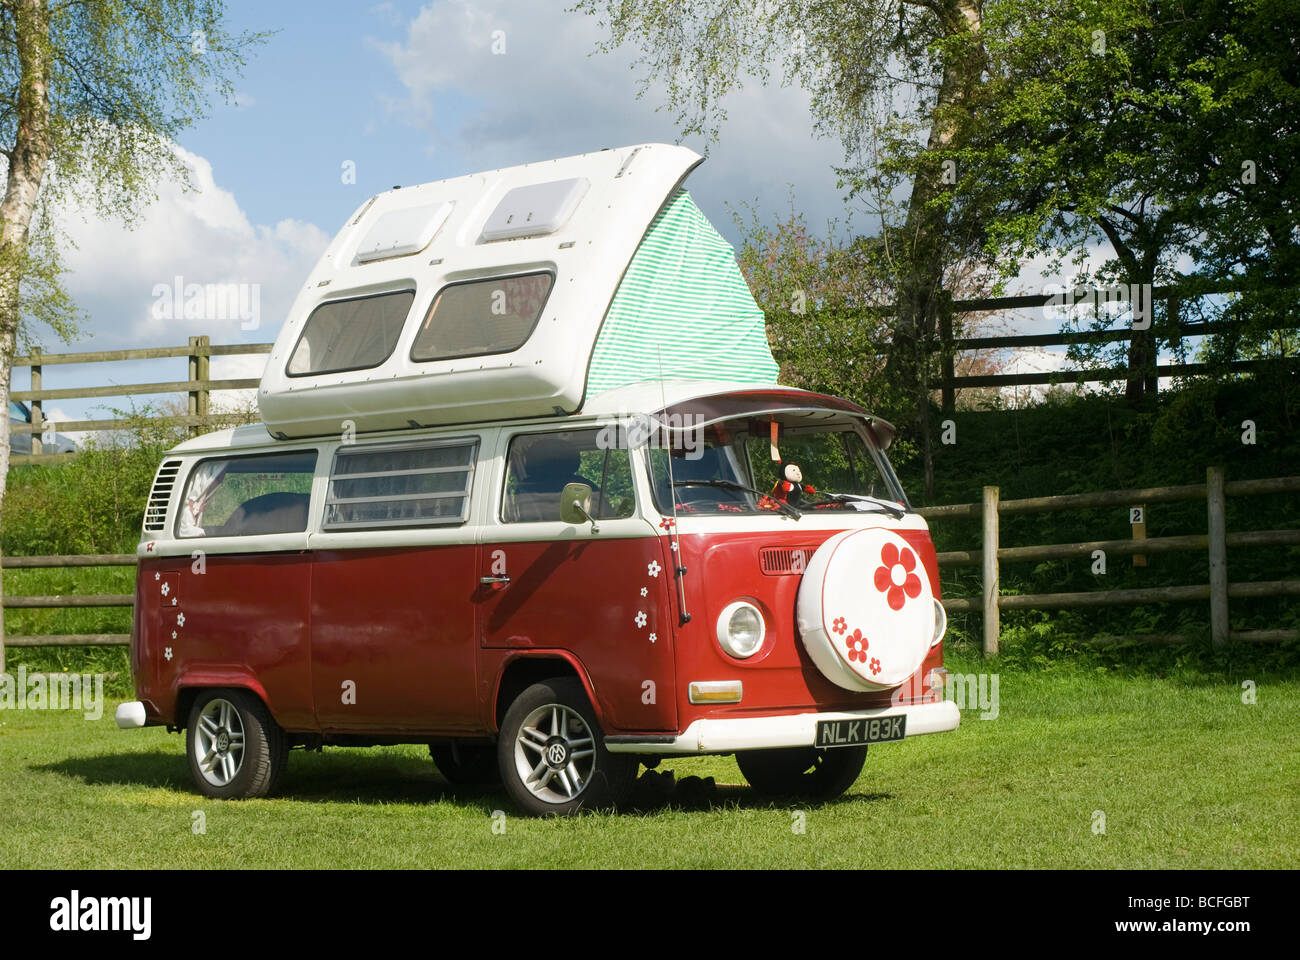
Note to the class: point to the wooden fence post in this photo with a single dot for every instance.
(990, 559)
(200, 364)
(949, 395)
(1218, 556)
(38, 418)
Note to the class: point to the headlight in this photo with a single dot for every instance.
(741, 629)
(940, 622)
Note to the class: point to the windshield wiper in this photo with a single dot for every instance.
(732, 485)
(893, 509)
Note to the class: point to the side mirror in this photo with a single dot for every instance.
(575, 505)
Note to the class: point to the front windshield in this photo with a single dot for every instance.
(730, 470)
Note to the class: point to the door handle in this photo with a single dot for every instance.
(493, 579)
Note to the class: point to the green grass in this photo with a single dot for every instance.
(1185, 773)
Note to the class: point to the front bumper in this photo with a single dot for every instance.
(796, 730)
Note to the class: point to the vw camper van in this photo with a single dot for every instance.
(527, 490)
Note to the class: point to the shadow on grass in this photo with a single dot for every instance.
(655, 792)
(312, 778)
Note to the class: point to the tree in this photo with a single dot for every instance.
(820, 294)
(92, 95)
(1165, 130)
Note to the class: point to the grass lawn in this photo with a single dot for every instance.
(1184, 772)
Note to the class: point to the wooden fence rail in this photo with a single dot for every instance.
(1173, 297)
(1216, 540)
(198, 386)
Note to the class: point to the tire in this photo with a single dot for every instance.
(466, 764)
(561, 766)
(249, 760)
(802, 771)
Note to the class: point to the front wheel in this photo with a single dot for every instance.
(235, 748)
(552, 754)
(802, 771)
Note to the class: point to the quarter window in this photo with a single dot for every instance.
(401, 485)
(480, 317)
(245, 496)
(351, 334)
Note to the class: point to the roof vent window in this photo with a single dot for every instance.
(400, 233)
(535, 210)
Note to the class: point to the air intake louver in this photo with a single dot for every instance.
(155, 512)
(784, 561)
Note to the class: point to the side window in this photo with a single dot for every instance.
(417, 484)
(245, 496)
(538, 466)
(482, 317)
(353, 334)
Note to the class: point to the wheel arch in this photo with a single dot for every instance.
(190, 687)
(522, 671)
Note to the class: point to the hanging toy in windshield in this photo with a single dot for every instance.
(791, 488)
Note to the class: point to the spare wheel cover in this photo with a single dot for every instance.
(866, 609)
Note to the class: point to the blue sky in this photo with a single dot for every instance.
(408, 92)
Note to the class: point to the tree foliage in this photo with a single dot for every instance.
(1165, 129)
(92, 95)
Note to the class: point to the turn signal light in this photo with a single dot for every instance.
(715, 691)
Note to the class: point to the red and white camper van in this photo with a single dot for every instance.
(527, 491)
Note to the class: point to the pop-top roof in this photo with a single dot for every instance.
(519, 292)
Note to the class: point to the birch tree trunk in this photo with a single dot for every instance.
(27, 164)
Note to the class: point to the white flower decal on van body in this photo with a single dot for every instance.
(644, 591)
(654, 568)
(640, 618)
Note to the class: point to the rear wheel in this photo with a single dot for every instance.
(235, 748)
(552, 755)
(802, 771)
(466, 764)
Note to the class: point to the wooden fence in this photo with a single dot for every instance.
(199, 386)
(1173, 298)
(1216, 540)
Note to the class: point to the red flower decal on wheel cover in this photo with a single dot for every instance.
(857, 645)
(875, 665)
(894, 576)
(839, 626)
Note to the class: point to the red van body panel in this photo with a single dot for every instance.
(584, 596)
(392, 647)
(241, 622)
(781, 677)
(424, 644)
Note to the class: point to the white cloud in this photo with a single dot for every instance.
(201, 237)
(548, 96)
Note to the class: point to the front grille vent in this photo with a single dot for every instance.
(785, 561)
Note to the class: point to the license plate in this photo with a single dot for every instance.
(851, 733)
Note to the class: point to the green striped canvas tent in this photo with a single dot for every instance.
(682, 311)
